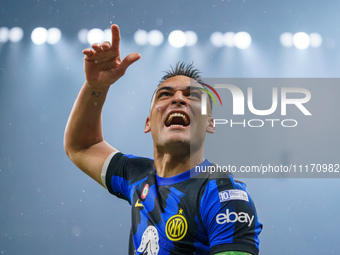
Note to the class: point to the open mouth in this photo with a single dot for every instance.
(177, 119)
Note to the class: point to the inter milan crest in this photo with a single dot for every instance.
(176, 227)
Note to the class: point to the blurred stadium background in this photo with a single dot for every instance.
(47, 206)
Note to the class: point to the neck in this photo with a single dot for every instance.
(171, 164)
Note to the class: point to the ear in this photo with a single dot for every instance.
(211, 125)
(147, 127)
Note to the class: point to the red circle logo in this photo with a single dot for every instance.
(145, 191)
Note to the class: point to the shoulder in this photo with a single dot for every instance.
(215, 183)
(125, 168)
(120, 161)
(220, 193)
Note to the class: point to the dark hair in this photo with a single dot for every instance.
(188, 70)
(182, 68)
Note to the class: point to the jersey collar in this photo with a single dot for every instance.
(163, 181)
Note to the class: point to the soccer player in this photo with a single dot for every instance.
(174, 209)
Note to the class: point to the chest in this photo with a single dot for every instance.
(166, 218)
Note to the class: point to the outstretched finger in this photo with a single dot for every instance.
(115, 39)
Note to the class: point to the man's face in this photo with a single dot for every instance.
(175, 119)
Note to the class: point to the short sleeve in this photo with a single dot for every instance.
(116, 180)
(104, 168)
(121, 171)
(229, 216)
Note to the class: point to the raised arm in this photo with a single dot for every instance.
(83, 139)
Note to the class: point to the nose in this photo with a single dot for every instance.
(179, 99)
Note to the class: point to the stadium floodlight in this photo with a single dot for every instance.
(216, 39)
(4, 34)
(141, 37)
(242, 40)
(191, 38)
(286, 40)
(229, 39)
(107, 35)
(155, 37)
(301, 40)
(95, 35)
(315, 40)
(54, 35)
(16, 34)
(82, 35)
(177, 39)
(39, 35)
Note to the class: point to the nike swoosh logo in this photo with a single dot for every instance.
(137, 204)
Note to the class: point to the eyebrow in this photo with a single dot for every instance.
(172, 89)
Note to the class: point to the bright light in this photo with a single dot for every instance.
(16, 34)
(191, 37)
(301, 40)
(95, 35)
(177, 39)
(315, 40)
(216, 39)
(155, 37)
(141, 37)
(54, 35)
(39, 35)
(286, 39)
(229, 39)
(242, 40)
(107, 35)
(4, 33)
(82, 35)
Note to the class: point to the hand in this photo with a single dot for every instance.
(103, 65)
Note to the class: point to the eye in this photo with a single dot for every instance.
(164, 94)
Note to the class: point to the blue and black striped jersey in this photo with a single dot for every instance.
(204, 214)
